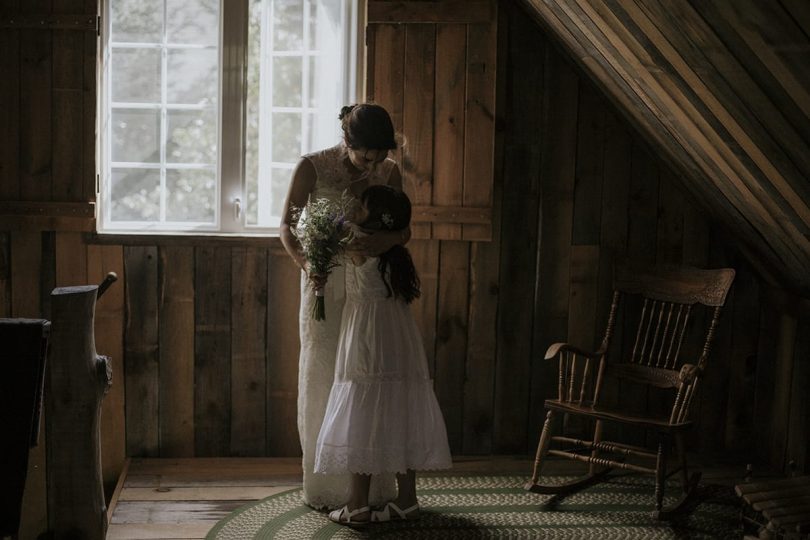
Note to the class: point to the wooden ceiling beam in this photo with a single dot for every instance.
(673, 154)
(759, 118)
(763, 208)
(687, 124)
(783, 189)
(772, 30)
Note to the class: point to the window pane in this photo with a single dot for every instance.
(287, 81)
(324, 130)
(136, 75)
(136, 20)
(135, 195)
(190, 195)
(311, 143)
(191, 137)
(313, 74)
(252, 117)
(288, 25)
(326, 25)
(163, 157)
(136, 135)
(252, 207)
(325, 72)
(192, 21)
(313, 26)
(191, 77)
(286, 137)
(277, 80)
(278, 190)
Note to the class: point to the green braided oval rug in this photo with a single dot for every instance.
(495, 507)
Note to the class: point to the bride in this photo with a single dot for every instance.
(360, 160)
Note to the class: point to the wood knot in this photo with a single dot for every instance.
(104, 373)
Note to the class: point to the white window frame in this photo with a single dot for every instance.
(230, 218)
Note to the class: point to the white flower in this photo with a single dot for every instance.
(388, 220)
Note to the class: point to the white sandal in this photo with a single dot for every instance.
(343, 516)
(379, 516)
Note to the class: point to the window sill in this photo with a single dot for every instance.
(264, 240)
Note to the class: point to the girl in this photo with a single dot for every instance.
(382, 415)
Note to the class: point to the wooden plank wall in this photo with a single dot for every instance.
(432, 66)
(203, 333)
(434, 70)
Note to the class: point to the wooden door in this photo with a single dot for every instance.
(432, 65)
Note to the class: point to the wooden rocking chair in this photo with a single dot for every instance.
(668, 299)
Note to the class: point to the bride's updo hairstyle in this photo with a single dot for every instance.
(390, 210)
(367, 125)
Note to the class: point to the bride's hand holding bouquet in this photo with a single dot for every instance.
(323, 231)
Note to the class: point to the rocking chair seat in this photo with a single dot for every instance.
(659, 423)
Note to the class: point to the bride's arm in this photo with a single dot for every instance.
(355, 233)
(302, 184)
(381, 241)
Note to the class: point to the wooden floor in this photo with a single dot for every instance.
(184, 498)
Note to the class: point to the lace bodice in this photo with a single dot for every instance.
(334, 176)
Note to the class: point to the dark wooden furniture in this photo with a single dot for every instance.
(779, 508)
(664, 303)
(23, 343)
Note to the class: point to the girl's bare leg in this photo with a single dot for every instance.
(407, 489)
(358, 495)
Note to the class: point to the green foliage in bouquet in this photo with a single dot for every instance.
(322, 229)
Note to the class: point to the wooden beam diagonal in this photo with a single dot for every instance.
(740, 15)
(690, 131)
(705, 53)
(620, 92)
(671, 55)
(623, 89)
(686, 122)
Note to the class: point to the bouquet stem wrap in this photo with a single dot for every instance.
(319, 308)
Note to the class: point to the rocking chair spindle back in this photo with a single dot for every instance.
(669, 298)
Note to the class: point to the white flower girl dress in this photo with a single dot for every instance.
(382, 415)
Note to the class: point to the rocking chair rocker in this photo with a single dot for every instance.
(669, 298)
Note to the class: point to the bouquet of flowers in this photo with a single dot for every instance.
(322, 230)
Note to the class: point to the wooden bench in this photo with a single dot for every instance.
(780, 508)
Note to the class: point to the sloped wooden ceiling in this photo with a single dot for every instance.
(721, 88)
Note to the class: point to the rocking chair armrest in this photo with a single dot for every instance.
(557, 348)
(688, 373)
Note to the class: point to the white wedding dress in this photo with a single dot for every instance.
(382, 415)
(319, 339)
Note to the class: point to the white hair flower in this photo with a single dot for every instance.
(388, 220)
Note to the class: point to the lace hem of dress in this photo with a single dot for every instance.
(341, 459)
(379, 379)
(319, 496)
(324, 500)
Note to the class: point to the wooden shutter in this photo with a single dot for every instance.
(432, 65)
(47, 114)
